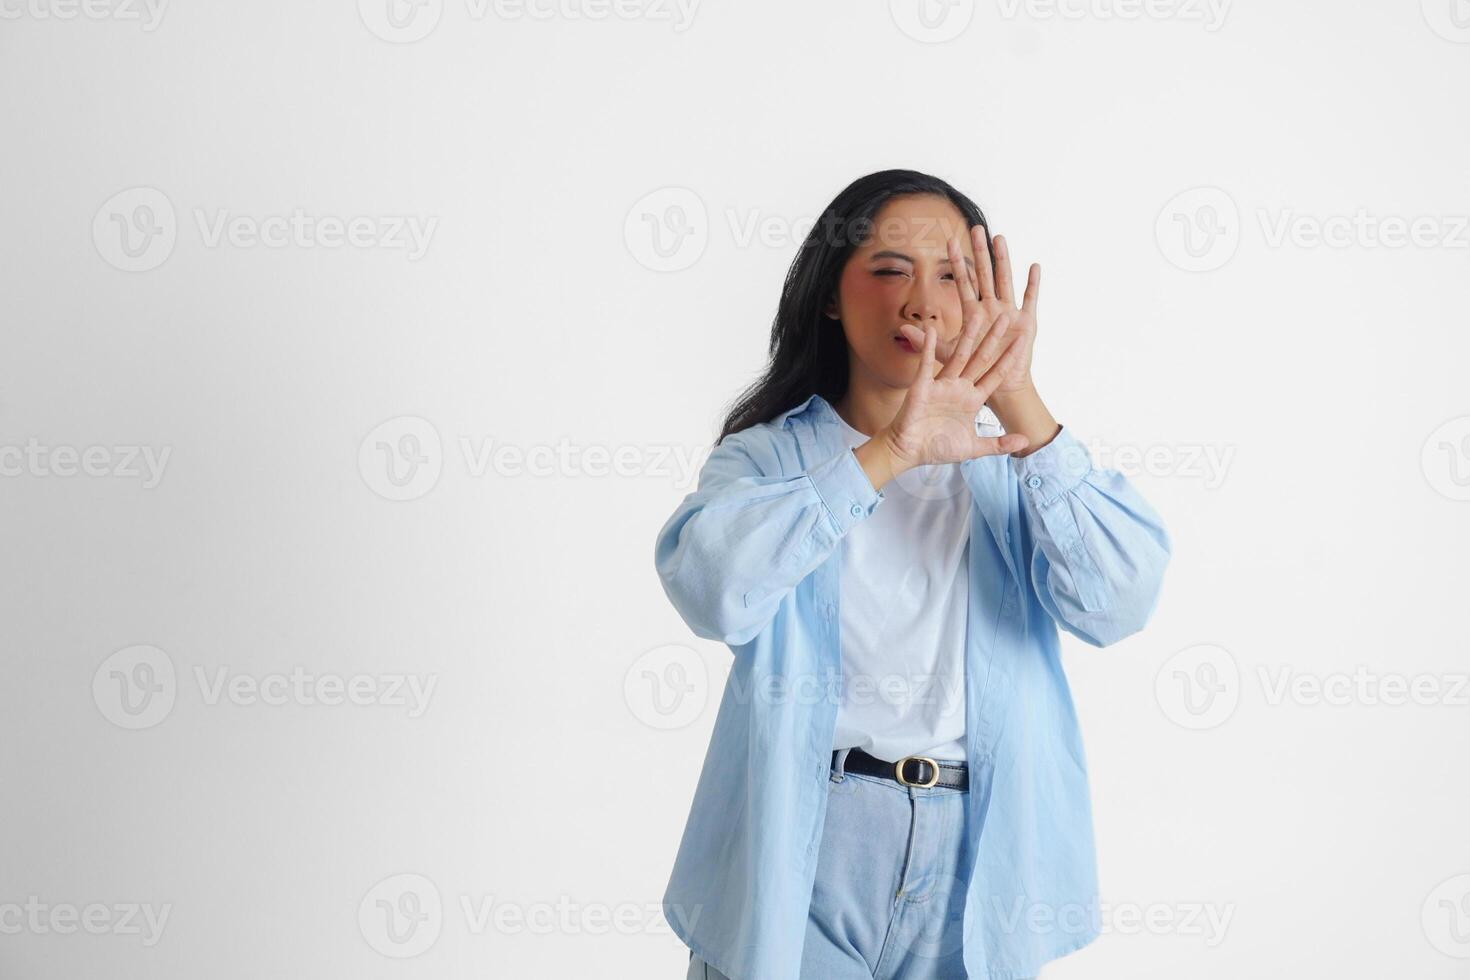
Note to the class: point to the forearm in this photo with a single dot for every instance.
(1096, 550)
(878, 462)
(735, 546)
(1024, 412)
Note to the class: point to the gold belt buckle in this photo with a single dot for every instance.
(933, 765)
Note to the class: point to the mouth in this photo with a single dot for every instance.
(903, 342)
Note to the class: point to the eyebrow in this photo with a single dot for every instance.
(889, 253)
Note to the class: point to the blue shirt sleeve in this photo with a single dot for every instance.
(742, 540)
(1095, 549)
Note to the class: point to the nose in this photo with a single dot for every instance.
(922, 304)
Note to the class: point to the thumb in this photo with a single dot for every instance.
(1011, 442)
(928, 366)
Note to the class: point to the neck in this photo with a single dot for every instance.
(869, 406)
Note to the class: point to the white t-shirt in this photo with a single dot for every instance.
(904, 605)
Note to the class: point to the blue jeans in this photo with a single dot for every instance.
(889, 897)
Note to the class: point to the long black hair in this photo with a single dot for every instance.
(808, 351)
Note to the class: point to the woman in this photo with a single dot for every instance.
(863, 520)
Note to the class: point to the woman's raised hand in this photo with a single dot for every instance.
(991, 357)
(936, 423)
(992, 293)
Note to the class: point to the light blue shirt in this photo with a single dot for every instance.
(751, 558)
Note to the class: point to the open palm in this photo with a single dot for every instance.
(936, 423)
(991, 294)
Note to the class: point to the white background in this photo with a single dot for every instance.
(546, 776)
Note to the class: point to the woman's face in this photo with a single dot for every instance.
(901, 273)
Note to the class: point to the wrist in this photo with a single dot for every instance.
(1002, 399)
(878, 460)
(1022, 411)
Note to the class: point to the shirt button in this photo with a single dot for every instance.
(1033, 482)
(856, 510)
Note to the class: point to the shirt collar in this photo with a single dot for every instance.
(821, 411)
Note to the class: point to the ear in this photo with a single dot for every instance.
(833, 313)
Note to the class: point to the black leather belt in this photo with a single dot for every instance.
(911, 770)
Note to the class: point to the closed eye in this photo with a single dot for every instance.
(900, 272)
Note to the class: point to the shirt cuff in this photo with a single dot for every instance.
(1054, 469)
(845, 489)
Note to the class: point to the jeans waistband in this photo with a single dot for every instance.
(914, 787)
